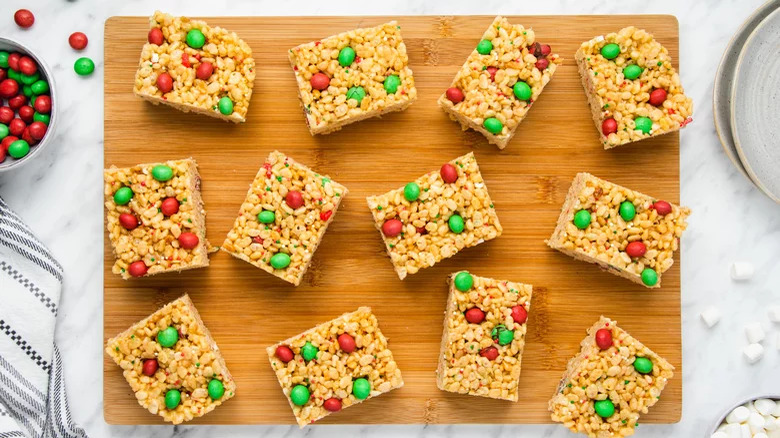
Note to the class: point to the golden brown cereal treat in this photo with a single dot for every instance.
(353, 76)
(625, 232)
(284, 217)
(633, 90)
(501, 79)
(612, 380)
(335, 365)
(435, 216)
(155, 218)
(172, 364)
(194, 67)
(484, 336)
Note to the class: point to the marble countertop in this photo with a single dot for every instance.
(59, 194)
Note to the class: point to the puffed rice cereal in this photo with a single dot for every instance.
(323, 365)
(225, 91)
(191, 366)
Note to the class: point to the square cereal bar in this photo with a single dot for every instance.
(353, 76)
(284, 217)
(632, 87)
(484, 336)
(334, 365)
(155, 218)
(609, 383)
(194, 67)
(172, 364)
(501, 79)
(625, 232)
(435, 216)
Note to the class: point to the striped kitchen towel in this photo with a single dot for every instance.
(33, 402)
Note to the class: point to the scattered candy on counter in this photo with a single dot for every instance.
(742, 271)
(84, 66)
(24, 18)
(755, 419)
(754, 332)
(78, 40)
(711, 315)
(753, 353)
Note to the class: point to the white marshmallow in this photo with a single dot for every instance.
(756, 422)
(770, 423)
(739, 415)
(733, 430)
(751, 407)
(765, 406)
(719, 435)
(710, 316)
(742, 271)
(774, 434)
(755, 333)
(774, 313)
(744, 429)
(760, 435)
(753, 353)
(776, 412)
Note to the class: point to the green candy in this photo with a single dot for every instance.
(505, 337)
(309, 351)
(266, 217)
(27, 91)
(610, 51)
(604, 408)
(411, 191)
(627, 210)
(280, 260)
(522, 90)
(225, 106)
(649, 277)
(582, 219)
(18, 149)
(484, 47)
(40, 87)
(84, 66)
(643, 124)
(31, 79)
(361, 389)
(123, 196)
(493, 125)
(4, 59)
(463, 281)
(162, 173)
(38, 117)
(172, 398)
(15, 75)
(299, 395)
(391, 84)
(456, 224)
(643, 365)
(357, 93)
(195, 38)
(168, 337)
(3, 131)
(346, 56)
(216, 389)
(632, 71)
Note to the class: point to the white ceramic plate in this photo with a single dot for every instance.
(755, 105)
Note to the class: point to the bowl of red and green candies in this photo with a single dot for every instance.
(27, 115)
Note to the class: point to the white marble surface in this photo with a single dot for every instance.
(60, 197)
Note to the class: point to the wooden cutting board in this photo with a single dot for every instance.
(247, 309)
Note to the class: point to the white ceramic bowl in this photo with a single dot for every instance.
(722, 417)
(15, 46)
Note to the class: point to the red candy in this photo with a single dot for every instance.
(13, 61)
(27, 65)
(542, 63)
(188, 240)
(546, 49)
(164, 82)
(325, 215)
(27, 137)
(492, 71)
(320, 81)
(16, 127)
(609, 126)
(475, 315)
(636, 249)
(662, 207)
(421, 230)
(657, 97)
(449, 173)
(137, 269)
(156, 36)
(332, 404)
(604, 338)
(519, 314)
(392, 227)
(26, 113)
(347, 342)
(78, 40)
(149, 367)
(128, 221)
(284, 353)
(24, 18)
(42, 104)
(8, 88)
(491, 353)
(455, 95)
(3, 151)
(37, 130)
(17, 102)
(204, 71)
(6, 115)
(3, 74)
(169, 206)
(294, 199)
(7, 142)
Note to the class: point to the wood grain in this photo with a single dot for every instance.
(246, 309)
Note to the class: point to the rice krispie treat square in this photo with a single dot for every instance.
(484, 336)
(353, 76)
(282, 221)
(192, 66)
(334, 365)
(155, 218)
(632, 87)
(172, 363)
(435, 216)
(609, 383)
(625, 232)
(501, 79)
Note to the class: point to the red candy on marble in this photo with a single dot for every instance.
(24, 18)
(662, 207)
(491, 353)
(320, 81)
(332, 404)
(475, 315)
(149, 367)
(609, 126)
(8, 88)
(128, 221)
(188, 240)
(604, 338)
(294, 199)
(449, 173)
(636, 249)
(26, 113)
(169, 206)
(392, 227)
(27, 65)
(164, 82)
(284, 353)
(78, 40)
(43, 104)
(347, 342)
(519, 314)
(137, 269)
(155, 36)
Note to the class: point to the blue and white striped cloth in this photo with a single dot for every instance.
(33, 402)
